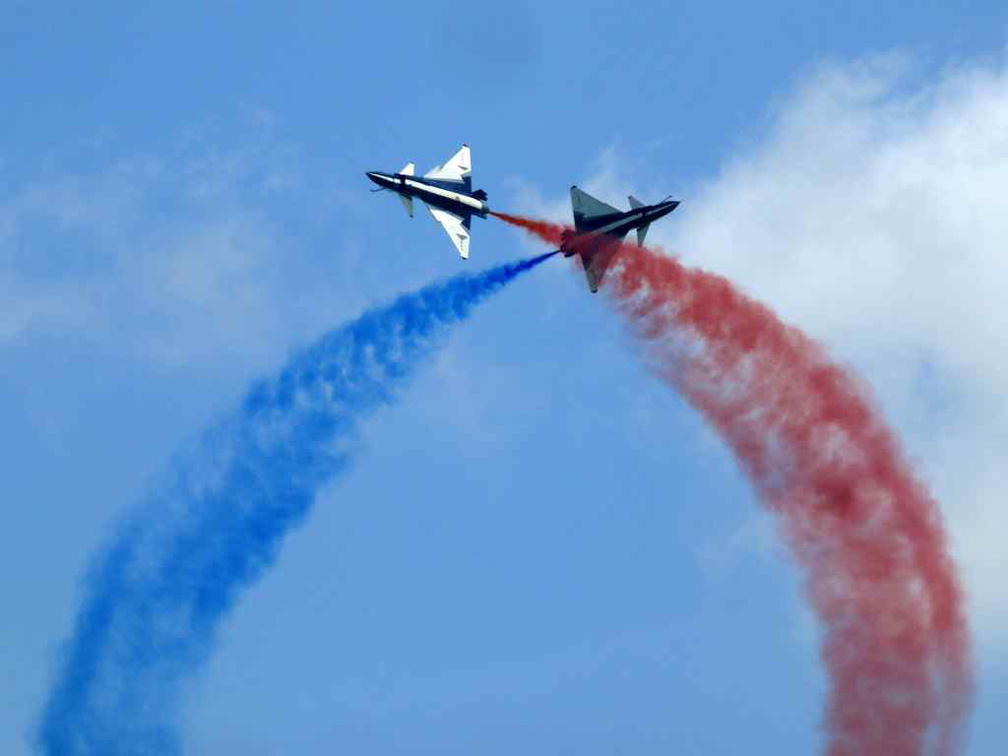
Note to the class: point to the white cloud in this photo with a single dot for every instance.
(171, 257)
(874, 215)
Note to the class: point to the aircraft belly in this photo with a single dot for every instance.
(448, 205)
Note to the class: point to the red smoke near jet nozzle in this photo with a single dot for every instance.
(866, 532)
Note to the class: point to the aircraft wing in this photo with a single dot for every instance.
(457, 168)
(597, 260)
(456, 227)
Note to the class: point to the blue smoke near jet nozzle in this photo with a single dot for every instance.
(176, 565)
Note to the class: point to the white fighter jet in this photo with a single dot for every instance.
(447, 192)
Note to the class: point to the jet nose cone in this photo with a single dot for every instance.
(663, 208)
(373, 176)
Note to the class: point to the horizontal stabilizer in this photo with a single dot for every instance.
(408, 170)
(457, 228)
(407, 202)
(642, 232)
(634, 202)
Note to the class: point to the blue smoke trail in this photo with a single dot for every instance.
(176, 565)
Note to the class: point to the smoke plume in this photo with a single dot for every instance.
(865, 530)
(156, 595)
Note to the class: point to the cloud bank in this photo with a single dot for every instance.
(873, 215)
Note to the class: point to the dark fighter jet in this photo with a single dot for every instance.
(599, 228)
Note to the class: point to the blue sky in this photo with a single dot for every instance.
(541, 548)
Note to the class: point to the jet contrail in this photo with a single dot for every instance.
(176, 565)
(867, 533)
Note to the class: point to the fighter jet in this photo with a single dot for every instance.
(599, 228)
(447, 192)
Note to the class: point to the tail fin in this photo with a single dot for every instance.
(480, 195)
(634, 202)
(587, 207)
(457, 168)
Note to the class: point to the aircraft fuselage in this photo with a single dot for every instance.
(617, 225)
(441, 194)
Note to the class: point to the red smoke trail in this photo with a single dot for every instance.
(866, 532)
